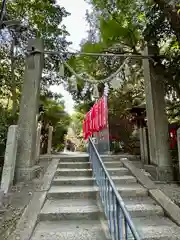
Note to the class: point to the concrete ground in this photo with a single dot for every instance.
(18, 198)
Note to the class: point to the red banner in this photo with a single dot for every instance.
(104, 113)
(96, 119)
(100, 114)
(173, 138)
(89, 124)
(93, 115)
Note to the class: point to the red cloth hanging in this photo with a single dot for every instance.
(90, 122)
(104, 113)
(93, 114)
(100, 113)
(173, 138)
(86, 126)
(96, 121)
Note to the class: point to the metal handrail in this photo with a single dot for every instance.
(109, 194)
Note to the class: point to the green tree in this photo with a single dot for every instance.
(42, 19)
(54, 115)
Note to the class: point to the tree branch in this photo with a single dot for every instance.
(172, 15)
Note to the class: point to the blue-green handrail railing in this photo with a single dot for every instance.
(119, 220)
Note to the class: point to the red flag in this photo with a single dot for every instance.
(90, 122)
(93, 118)
(96, 127)
(88, 117)
(87, 124)
(104, 113)
(173, 138)
(100, 113)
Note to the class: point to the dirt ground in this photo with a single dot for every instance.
(17, 200)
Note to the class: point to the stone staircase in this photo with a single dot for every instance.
(71, 210)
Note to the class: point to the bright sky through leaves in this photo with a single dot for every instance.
(77, 27)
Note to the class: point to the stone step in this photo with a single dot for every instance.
(73, 181)
(131, 190)
(142, 207)
(118, 171)
(84, 181)
(65, 192)
(73, 172)
(109, 158)
(118, 157)
(113, 164)
(156, 228)
(74, 165)
(74, 159)
(70, 209)
(152, 228)
(125, 179)
(69, 192)
(69, 230)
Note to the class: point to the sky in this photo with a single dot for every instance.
(77, 27)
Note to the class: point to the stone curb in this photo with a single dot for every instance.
(169, 207)
(140, 176)
(29, 218)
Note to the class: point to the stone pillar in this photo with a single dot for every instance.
(50, 139)
(10, 159)
(157, 120)
(178, 143)
(141, 137)
(38, 143)
(27, 124)
(146, 146)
